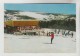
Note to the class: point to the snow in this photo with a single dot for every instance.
(33, 14)
(38, 44)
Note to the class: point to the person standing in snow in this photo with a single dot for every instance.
(52, 37)
(72, 35)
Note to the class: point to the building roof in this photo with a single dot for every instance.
(22, 23)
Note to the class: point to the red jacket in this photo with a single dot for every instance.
(52, 35)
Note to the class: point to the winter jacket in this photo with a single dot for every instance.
(52, 35)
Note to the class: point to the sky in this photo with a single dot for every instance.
(48, 8)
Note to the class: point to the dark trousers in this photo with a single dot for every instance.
(51, 40)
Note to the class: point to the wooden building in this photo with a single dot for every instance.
(18, 25)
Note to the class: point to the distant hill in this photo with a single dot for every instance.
(38, 15)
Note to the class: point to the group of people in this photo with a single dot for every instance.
(52, 36)
(64, 33)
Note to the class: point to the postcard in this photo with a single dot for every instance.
(39, 28)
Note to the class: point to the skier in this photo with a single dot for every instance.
(72, 35)
(55, 30)
(47, 33)
(52, 37)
